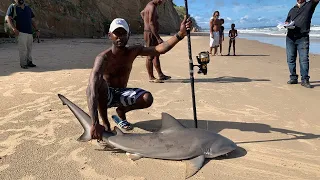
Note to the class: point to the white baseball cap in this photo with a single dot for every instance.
(119, 23)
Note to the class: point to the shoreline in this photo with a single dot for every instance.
(276, 40)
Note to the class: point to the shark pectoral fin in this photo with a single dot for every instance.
(86, 136)
(82, 117)
(194, 165)
(118, 131)
(133, 157)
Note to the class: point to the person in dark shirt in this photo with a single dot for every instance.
(297, 40)
(221, 35)
(23, 16)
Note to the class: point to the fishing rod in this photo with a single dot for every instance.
(203, 60)
(191, 71)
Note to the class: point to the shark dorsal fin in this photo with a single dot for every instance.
(170, 123)
(118, 131)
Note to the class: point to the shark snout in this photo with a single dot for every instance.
(221, 147)
(228, 147)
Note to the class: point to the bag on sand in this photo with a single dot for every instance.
(6, 26)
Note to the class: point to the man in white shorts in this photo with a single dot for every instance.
(215, 26)
(214, 40)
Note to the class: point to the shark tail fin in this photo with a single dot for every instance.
(82, 117)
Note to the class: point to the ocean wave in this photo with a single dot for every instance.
(277, 31)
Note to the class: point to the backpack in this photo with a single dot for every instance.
(6, 26)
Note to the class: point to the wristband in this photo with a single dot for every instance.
(179, 37)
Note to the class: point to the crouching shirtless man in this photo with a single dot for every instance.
(110, 74)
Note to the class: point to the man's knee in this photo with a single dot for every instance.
(148, 99)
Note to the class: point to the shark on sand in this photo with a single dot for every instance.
(172, 142)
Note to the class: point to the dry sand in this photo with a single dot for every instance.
(244, 98)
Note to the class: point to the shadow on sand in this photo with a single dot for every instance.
(223, 79)
(217, 126)
(248, 55)
(315, 83)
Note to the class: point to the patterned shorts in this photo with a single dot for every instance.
(123, 96)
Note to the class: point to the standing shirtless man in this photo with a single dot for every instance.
(215, 26)
(110, 74)
(151, 36)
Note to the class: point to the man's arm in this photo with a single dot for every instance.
(142, 14)
(169, 44)
(211, 27)
(34, 24)
(95, 81)
(288, 18)
(9, 19)
(152, 23)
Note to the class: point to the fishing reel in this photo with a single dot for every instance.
(203, 60)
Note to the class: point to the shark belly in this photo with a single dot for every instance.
(157, 145)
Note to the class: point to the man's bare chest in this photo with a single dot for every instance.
(118, 66)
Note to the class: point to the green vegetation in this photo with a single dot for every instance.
(181, 10)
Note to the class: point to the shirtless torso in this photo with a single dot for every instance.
(233, 33)
(111, 72)
(215, 24)
(150, 15)
(117, 69)
(150, 19)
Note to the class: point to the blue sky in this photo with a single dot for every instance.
(244, 13)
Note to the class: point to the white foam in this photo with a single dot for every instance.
(277, 31)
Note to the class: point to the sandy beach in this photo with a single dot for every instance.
(244, 98)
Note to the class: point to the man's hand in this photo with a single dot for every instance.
(96, 131)
(160, 41)
(16, 31)
(185, 25)
(38, 34)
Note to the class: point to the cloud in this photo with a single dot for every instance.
(244, 13)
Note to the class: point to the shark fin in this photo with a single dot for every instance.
(133, 157)
(194, 165)
(170, 123)
(118, 131)
(85, 137)
(82, 117)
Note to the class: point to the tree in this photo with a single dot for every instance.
(181, 10)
